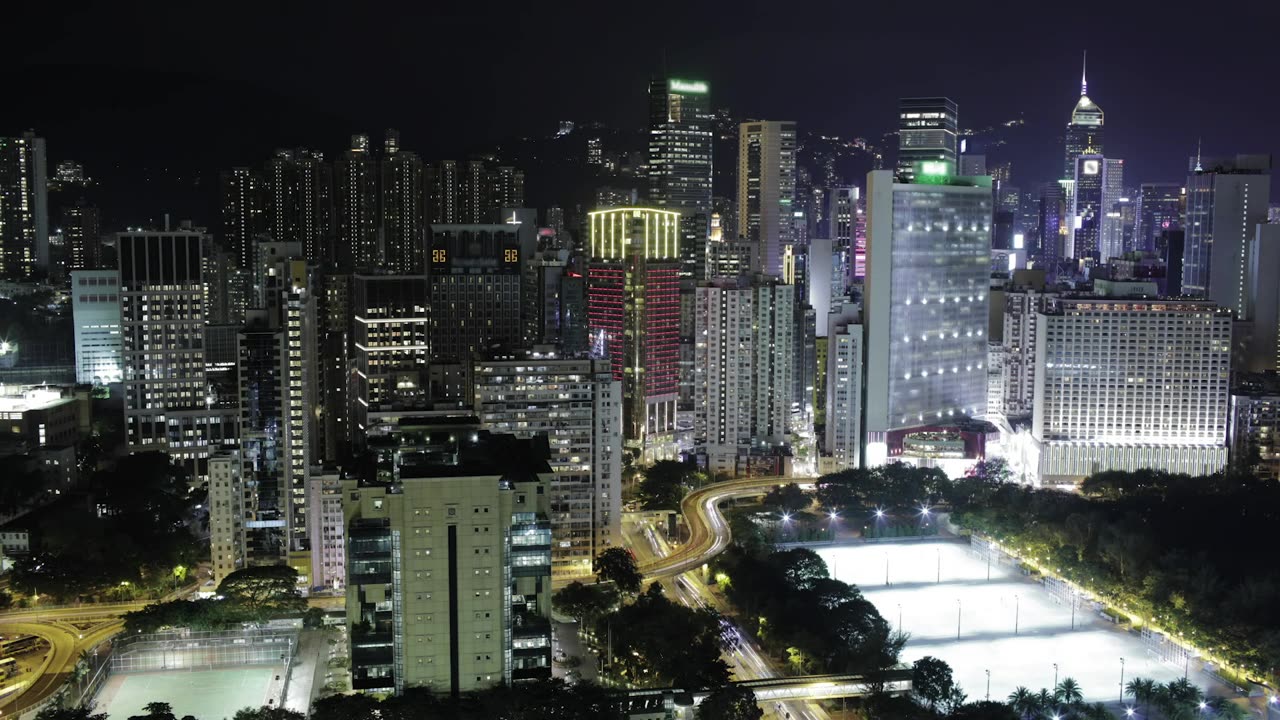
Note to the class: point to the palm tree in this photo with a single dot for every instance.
(1045, 701)
(1068, 692)
(1023, 702)
(1224, 708)
(1096, 711)
(1143, 691)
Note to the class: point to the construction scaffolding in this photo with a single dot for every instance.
(204, 650)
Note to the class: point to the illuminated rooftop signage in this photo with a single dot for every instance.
(687, 86)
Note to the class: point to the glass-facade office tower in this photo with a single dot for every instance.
(1084, 131)
(927, 129)
(475, 290)
(392, 342)
(24, 207)
(680, 162)
(767, 188)
(1098, 185)
(926, 299)
(162, 326)
(1124, 384)
(1226, 198)
(1160, 208)
(633, 309)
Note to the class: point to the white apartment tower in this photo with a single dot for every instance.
(844, 386)
(95, 311)
(745, 336)
(577, 404)
(1123, 384)
(226, 515)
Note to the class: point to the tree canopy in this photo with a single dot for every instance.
(619, 566)
(582, 602)
(665, 483)
(730, 703)
(658, 643)
(271, 588)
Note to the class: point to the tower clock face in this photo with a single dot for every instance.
(1090, 167)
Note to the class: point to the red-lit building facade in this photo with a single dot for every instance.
(633, 310)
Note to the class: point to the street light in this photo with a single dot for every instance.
(1055, 679)
(1128, 712)
(958, 606)
(1121, 681)
(900, 625)
(1017, 607)
(886, 568)
(939, 551)
(988, 685)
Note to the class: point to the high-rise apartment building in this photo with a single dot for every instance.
(243, 215)
(475, 279)
(81, 232)
(680, 156)
(449, 562)
(404, 213)
(1024, 300)
(844, 381)
(299, 189)
(356, 177)
(1160, 208)
(745, 336)
(633, 307)
(927, 129)
(326, 528)
(227, 545)
(767, 188)
(24, 206)
(95, 312)
(162, 320)
(471, 193)
(1254, 431)
(925, 305)
(577, 404)
(1123, 384)
(1226, 198)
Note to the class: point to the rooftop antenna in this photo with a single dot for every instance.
(1084, 83)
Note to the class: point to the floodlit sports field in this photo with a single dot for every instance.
(986, 612)
(206, 694)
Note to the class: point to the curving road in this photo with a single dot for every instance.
(708, 530)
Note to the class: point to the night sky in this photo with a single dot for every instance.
(195, 89)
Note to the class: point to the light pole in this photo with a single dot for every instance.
(1121, 681)
(988, 685)
(939, 551)
(958, 618)
(886, 568)
(1055, 676)
(988, 564)
(1073, 609)
(899, 618)
(1017, 607)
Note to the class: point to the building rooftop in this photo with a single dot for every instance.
(36, 398)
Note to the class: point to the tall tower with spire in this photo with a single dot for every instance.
(1084, 131)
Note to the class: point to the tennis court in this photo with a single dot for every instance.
(206, 694)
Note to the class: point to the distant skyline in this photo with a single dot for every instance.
(129, 91)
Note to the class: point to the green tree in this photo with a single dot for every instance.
(80, 713)
(264, 588)
(618, 565)
(268, 713)
(1143, 691)
(156, 711)
(730, 703)
(801, 568)
(788, 498)
(984, 710)
(931, 681)
(665, 483)
(658, 643)
(582, 602)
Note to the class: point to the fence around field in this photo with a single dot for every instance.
(203, 650)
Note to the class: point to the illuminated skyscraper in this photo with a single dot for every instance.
(633, 306)
(1226, 198)
(475, 282)
(1084, 131)
(242, 214)
(392, 346)
(680, 162)
(24, 207)
(926, 302)
(81, 230)
(927, 129)
(767, 188)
